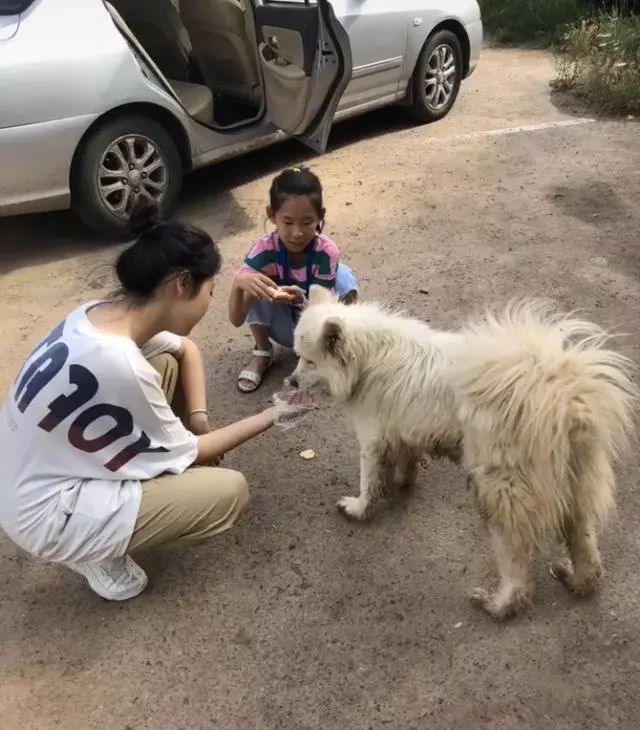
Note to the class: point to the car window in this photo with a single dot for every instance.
(12, 7)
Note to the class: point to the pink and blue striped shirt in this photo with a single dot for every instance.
(264, 257)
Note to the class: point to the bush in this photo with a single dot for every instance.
(541, 21)
(599, 60)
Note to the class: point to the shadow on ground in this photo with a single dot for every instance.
(32, 240)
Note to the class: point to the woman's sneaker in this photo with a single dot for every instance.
(115, 579)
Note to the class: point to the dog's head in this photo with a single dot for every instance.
(322, 344)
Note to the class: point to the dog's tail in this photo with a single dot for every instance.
(551, 396)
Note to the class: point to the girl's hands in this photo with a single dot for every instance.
(256, 285)
(295, 294)
(261, 287)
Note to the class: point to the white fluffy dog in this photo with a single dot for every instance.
(532, 401)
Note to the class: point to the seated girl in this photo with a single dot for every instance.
(272, 286)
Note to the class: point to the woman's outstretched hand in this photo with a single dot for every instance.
(290, 407)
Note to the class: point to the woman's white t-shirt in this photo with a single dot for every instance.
(85, 421)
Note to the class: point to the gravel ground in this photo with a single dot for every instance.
(297, 619)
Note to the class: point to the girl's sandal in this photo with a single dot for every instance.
(254, 378)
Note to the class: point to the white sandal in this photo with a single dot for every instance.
(255, 378)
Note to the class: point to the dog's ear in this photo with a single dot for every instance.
(333, 338)
(319, 295)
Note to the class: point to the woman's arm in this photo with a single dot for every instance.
(192, 380)
(212, 446)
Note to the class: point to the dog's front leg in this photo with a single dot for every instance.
(371, 486)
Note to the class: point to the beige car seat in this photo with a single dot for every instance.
(195, 98)
(160, 30)
(224, 46)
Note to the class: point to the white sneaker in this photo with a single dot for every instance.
(115, 579)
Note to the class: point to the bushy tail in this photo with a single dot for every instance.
(546, 389)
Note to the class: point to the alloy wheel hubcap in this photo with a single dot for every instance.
(441, 77)
(132, 167)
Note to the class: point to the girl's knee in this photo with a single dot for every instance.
(346, 283)
(260, 313)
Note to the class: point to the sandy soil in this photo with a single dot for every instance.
(297, 619)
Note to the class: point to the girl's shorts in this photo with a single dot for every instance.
(280, 318)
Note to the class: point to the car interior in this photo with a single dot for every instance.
(228, 61)
(207, 51)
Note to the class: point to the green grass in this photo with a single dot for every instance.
(599, 61)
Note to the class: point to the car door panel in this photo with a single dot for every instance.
(290, 45)
(283, 60)
(305, 60)
(286, 87)
(299, 19)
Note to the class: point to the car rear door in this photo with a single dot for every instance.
(305, 59)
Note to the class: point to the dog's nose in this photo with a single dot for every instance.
(292, 380)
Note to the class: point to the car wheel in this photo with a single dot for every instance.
(437, 77)
(122, 161)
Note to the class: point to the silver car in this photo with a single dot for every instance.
(102, 103)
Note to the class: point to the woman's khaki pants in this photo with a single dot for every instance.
(187, 508)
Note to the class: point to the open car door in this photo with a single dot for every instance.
(305, 58)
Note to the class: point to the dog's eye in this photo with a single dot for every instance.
(309, 363)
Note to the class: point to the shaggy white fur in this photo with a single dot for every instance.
(533, 401)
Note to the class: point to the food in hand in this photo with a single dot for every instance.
(283, 296)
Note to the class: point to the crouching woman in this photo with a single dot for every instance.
(95, 463)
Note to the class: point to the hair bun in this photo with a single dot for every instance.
(144, 217)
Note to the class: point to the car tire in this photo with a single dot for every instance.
(433, 94)
(140, 158)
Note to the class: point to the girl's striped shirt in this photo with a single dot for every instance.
(263, 257)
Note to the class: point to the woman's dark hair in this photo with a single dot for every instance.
(163, 250)
(295, 182)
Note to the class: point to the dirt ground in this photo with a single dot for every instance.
(297, 619)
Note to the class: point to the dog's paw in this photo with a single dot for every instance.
(353, 508)
(499, 609)
(562, 570)
(480, 597)
(581, 586)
